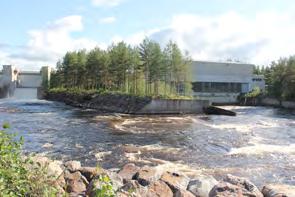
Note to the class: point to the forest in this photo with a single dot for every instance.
(279, 78)
(145, 70)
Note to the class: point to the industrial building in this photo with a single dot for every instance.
(223, 82)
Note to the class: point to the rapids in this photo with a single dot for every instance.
(259, 143)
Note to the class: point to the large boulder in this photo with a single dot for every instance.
(224, 189)
(147, 175)
(247, 186)
(73, 166)
(133, 188)
(75, 183)
(233, 186)
(90, 172)
(201, 185)
(268, 191)
(117, 180)
(128, 171)
(175, 181)
(159, 188)
(183, 193)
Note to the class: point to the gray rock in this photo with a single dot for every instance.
(233, 186)
(202, 185)
(147, 175)
(90, 172)
(133, 188)
(116, 179)
(247, 186)
(128, 171)
(175, 181)
(224, 189)
(159, 188)
(268, 191)
(183, 193)
(73, 166)
(75, 182)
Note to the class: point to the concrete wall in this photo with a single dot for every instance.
(162, 106)
(221, 72)
(219, 98)
(30, 79)
(276, 102)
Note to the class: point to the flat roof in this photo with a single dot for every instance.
(222, 62)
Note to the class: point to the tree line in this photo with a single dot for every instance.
(146, 69)
(279, 78)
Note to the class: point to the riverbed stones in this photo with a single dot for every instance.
(184, 193)
(268, 191)
(133, 188)
(247, 186)
(159, 188)
(175, 181)
(224, 189)
(146, 175)
(233, 186)
(90, 172)
(128, 171)
(116, 179)
(73, 166)
(55, 169)
(75, 183)
(201, 185)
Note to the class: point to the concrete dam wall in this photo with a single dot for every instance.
(120, 103)
(165, 106)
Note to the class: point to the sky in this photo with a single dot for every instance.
(35, 33)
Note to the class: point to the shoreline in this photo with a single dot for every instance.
(131, 180)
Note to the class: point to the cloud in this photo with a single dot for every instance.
(48, 44)
(106, 3)
(259, 39)
(107, 20)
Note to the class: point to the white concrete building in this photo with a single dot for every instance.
(223, 82)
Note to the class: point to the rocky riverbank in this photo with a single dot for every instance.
(74, 180)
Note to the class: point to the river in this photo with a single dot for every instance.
(259, 143)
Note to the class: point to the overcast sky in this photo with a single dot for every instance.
(35, 33)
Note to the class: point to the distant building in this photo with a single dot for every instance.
(223, 82)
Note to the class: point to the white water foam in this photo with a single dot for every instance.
(263, 148)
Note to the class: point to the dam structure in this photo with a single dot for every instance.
(14, 82)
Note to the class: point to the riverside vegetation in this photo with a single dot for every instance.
(144, 70)
(279, 78)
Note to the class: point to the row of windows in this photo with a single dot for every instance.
(216, 87)
(257, 79)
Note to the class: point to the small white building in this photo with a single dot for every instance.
(223, 82)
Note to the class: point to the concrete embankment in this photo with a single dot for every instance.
(120, 103)
(277, 103)
(267, 101)
(134, 181)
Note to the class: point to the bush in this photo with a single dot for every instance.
(254, 93)
(18, 175)
(106, 187)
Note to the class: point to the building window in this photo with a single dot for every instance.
(215, 87)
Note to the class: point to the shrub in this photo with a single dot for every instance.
(18, 175)
(106, 187)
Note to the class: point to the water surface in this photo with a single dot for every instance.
(259, 143)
